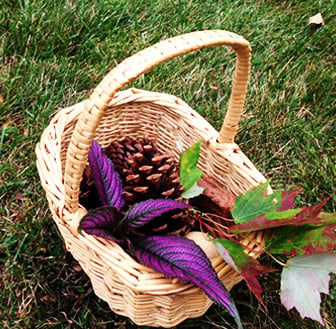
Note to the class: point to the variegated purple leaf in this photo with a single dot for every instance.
(183, 258)
(107, 180)
(144, 212)
(101, 222)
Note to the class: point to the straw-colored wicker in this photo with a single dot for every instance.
(132, 289)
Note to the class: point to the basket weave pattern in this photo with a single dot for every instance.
(132, 289)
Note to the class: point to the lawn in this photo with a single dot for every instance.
(52, 55)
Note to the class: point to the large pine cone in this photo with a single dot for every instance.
(88, 195)
(176, 223)
(146, 173)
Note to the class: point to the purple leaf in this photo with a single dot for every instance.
(183, 258)
(101, 222)
(144, 212)
(107, 180)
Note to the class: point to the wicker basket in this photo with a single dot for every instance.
(132, 289)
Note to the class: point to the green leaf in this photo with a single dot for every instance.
(328, 218)
(189, 174)
(289, 217)
(254, 203)
(304, 239)
(193, 192)
(301, 231)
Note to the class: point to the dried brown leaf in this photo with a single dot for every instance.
(316, 20)
(214, 199)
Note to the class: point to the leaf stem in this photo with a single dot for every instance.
(276, 260)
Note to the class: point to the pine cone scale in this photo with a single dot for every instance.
(135, 178)
(154, 178)
(169, 192)
(141, 189)
(146, 169)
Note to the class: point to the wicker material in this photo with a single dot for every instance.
(131, 289)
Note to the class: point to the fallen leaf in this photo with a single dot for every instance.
(302, 281)
(316, 20)
(305, 239)
(235, 255)
(256, 210)
(214, 199)
(257, 201)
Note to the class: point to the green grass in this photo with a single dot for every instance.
(53, 53)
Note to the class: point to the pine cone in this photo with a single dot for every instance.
(146, 173)
(178, 223)
(88, 196)
(149, 174)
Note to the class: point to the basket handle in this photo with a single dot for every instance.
(132, 68)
